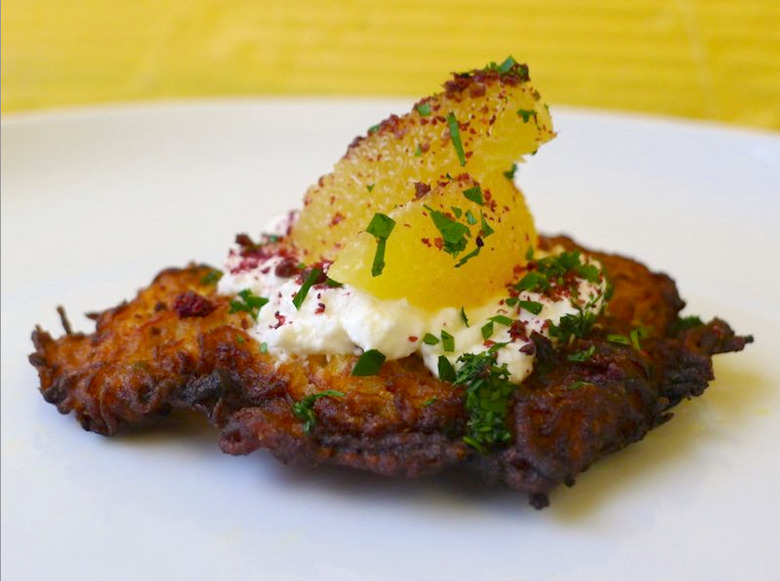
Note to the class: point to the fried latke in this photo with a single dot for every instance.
(177, 346)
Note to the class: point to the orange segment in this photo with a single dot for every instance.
(446, 248)
(495, 112)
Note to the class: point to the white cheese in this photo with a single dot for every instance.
(345, 320)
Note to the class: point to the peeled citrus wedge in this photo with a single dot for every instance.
(468, 136)
(456, 245)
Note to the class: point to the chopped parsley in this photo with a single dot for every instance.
(424, 109)
(212, 277)
(487, 330)
(464, 317)
(304, 409)
(488, 391)
(446, 370)
(429, 401)
(263, 347)
(510, 173)
(684, 323)
(633, 339)
(380, 228)
(447, 341)
(584, 355)
(430, 339)
(577, 384)
(300, 296)
(486, 229)
(452, 123)
(504, 67)
(453, 233)
(573, 326)
(552, 270)
(370, 187)
(475, 195)
(526, 114)
(532, 307)
(249, 303)
(502, 320)
(369, 363)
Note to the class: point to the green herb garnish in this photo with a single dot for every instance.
(304, 409)
(619, 339)
(249, 303)
(573, 326)
(452, 123)
(212, 277)
(424, 109)
(263, 347)
(446, 370)
(504, 67)
(576, 385)
(380, 228)
(475, 195)
(300, 296)
(487, 330)
(368, 363)
(486, 229)
(464, 317)
(583, 355)
(447, 341)
(502, 320)
(532, 307)
(510, 173)
(370, 187)
(526, 114)
(488, 391)
(430, 339)
(684, 323)
(453, 233)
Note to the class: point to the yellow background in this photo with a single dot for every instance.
(714, 59)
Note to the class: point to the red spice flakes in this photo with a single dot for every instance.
(244, 241)
(413, 339)
(287, 268)
(337, 217)
(529, 348)
(320, 309)
(191, 304)
(518, 330)
(426, 241)
(421, 190)
(438, 242)
(280, 319)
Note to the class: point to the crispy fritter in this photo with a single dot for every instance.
(176, 345)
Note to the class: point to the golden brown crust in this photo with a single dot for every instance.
(177, 346)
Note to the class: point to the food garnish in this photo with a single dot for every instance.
(407, 320)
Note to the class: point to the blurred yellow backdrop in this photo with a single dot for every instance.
(714, 59)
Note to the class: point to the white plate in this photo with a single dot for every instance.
(94, 203)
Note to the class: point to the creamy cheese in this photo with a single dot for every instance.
(344, 320)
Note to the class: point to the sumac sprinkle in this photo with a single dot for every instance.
(421, 190)
(191, 304)
(287, 268)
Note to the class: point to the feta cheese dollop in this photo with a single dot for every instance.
(552, 292)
